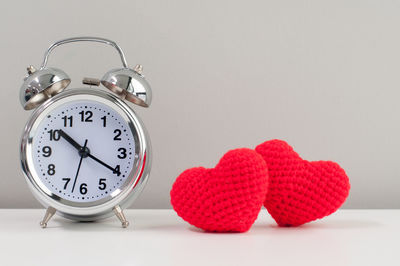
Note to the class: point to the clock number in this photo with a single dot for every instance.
(102, 184)
(66, 180)
(123, 153)
(54, 135)
(67, 120)
(117, 133)
(51, 169)
(83, 188)
(117, 171)
(88, 115)
(104, 118)
(46, 151)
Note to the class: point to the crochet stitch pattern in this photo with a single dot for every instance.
(301, 191)
(226, 198)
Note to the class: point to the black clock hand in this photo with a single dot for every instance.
(104, 164)
(70, 140)
(86, 151)
(79, 167)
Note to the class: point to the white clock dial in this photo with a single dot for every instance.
(83, 151)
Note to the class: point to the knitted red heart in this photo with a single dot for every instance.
(226, 198)
(301, 191)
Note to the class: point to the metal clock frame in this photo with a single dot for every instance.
(103, 208)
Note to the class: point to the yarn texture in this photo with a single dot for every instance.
(226, 198)
(301, 191)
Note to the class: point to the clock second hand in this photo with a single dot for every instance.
(79, 167)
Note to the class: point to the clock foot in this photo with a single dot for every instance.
(120, 214)
(49, 213)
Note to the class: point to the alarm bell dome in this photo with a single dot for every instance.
(128, 84)
(41, 85)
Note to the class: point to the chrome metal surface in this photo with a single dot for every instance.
(138, 69)
(129, 85)
(91, 81)
(41, 85)
(49, 213)
(87, 211)
(31, 69)
(83, 39)
(121, 216)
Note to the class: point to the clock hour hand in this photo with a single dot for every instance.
(70, 140)
(104, 164)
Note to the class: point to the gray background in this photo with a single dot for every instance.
(323, 75)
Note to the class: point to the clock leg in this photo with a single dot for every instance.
(49, 213)
(119, 213)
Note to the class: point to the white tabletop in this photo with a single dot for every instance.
(160, 237)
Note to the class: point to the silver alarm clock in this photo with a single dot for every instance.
(84, 152)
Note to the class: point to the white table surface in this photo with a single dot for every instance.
(160, 237)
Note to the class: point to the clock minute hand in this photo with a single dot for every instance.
(104, 164)
(70, 140)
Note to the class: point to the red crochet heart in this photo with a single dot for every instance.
(301, 191)
(226, 198)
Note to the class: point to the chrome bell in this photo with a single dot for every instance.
(41, 85)
(46, 82)
(129, 84)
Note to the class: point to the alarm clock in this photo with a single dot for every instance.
(85, 154)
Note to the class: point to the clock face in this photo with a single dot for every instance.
(84, 151)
